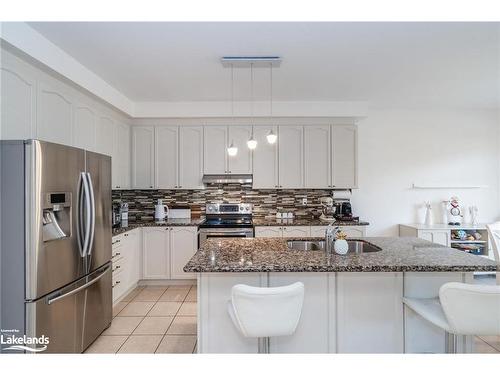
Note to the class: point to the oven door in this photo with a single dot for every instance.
(206, 233)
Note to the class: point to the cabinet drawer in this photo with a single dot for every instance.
(118, 265)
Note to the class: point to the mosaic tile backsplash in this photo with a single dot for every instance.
(265, 202)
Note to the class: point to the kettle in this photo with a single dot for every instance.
(161, 210)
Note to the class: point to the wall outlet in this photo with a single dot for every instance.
(304, 201)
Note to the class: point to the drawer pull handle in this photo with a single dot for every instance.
(116, 254)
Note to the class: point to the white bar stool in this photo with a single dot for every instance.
(266, 312)
(461, 309)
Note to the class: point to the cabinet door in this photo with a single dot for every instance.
(190, 157)
(369, 312)
(84, 127)
(296, 231)
(317, 166)
(133, 254)
(291, 157)
(122, 154)
(105, 141)
(54, 114)
(215, 149)
(441, 237)
(265, 159)
(318, 231)
(18, 100)
(268, 231)
(167, 151)
(344, 156)
(353, 231)
(142, 157)
(242, 162)
(183, 245)
(155, 253)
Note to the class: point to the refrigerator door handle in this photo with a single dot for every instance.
(80, 288)
(80, 225)
(92, 214)
(86, 214)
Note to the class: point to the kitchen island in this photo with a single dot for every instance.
(352, 303)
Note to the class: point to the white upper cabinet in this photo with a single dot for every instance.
(265, 159)
(291, 157)
(242, 162)
(105, 134)
(190, 157)
(55, 114)
(84, 127)
(143, 157)
(215, 149)
(122, 157)
(344, 156)
(167, 159)
(18, 102)
(317, 166)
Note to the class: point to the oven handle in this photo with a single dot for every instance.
(226, 234)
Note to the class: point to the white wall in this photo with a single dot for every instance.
(399, 147)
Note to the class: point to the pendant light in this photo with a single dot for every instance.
(251, 143)
(271, 137)
(232, 150)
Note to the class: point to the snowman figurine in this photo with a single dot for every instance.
(454, 212)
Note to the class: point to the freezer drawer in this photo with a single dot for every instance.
(74, 316)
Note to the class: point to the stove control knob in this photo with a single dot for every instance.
(241, 208)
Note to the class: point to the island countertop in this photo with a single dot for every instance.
(398, 254)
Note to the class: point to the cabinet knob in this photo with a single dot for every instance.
(150, 186)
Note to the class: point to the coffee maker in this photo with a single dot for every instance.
(343, 208)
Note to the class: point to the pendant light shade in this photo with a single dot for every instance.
(271, 137)
(232, 150)
(252, 143)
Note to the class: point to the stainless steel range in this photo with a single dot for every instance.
(227, 220)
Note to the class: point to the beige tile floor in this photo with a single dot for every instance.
(161, 319)
(152, 319)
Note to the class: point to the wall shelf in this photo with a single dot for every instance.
(446, 186)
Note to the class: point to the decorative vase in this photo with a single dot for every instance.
(428, 214)
(341, 247)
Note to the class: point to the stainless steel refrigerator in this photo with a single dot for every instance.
(55, 244)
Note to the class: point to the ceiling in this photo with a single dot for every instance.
(410, 64)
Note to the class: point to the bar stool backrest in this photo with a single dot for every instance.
(471, 309)
(267, 312)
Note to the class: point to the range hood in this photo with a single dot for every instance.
(227, 179)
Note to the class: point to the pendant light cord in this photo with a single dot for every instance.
(271, 88)
(232, 91)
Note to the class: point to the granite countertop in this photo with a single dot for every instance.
(258, 222)
(192, 222)
(398, 254)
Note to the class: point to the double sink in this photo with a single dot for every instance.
(355, 246)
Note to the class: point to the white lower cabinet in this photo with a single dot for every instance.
(126, 263)
(306, 231)
(166, 250)
(370, 312)
(349, 230)
(314, 331)
(441, 237)
(183, 245)
(296, 231)
(270, 231)
(156, 253)
(284, 231)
